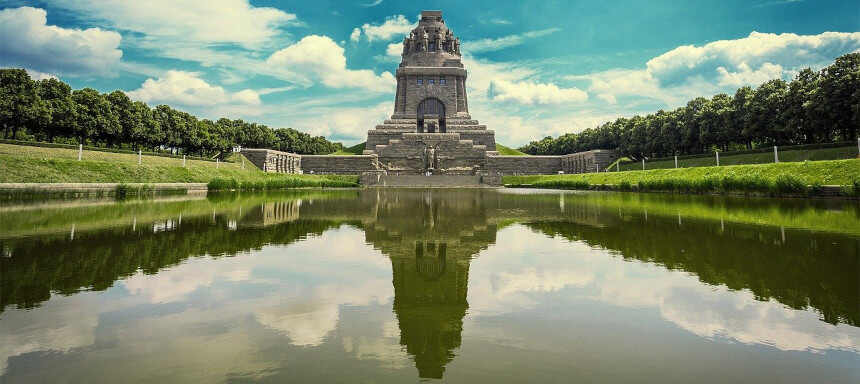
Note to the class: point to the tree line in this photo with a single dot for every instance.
(814, 107)
(49, 110)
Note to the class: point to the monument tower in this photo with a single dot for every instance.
(431, 129)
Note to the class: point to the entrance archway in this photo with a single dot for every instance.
(431, 106)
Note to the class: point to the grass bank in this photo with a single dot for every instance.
(764, 156)
(26, 164)
(780, 179)
(507, 151)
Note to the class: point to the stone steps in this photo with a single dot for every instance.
(423, 181)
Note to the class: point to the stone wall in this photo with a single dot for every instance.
(274, 161)
(522, 165)
(588, 161)
(450, 155)
(341, 165)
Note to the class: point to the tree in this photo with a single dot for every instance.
(20, 105)
(840, 90)
(803, 114)
(57, 96)
(94, 118)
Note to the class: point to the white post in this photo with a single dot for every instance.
(183, 161)
(81, 151)
(243, 165)
(775, 155)
(643, 164)
(139, 156)
(618, 166)
(217, 163)
(718, 158)
(676, 161)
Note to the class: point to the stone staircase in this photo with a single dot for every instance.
(423, 181)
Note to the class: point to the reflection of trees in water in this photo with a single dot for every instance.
(36, 267)
(431, 236)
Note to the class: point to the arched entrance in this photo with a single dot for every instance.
(431, 106)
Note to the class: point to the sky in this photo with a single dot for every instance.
(535, 68)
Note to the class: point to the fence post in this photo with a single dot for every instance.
(643, 164)
(243, 164)
(618, 166)
(139, 156)
(81, 151)
(217, 163)
(676, 161)
(183, 161)
(718, 158)
(775, 155)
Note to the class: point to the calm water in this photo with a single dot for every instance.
(400, 285)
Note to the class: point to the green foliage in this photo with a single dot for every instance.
(813, 108)
(47, 110)
(785, 179)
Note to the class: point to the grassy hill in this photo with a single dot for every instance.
(28, 164)
(353, 150)
(774, 178)
(788, 155)
(507, 151)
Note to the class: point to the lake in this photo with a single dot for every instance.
(469, 286)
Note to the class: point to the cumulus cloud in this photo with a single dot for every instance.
(393, 26)
(343, 124)
(722, 66)
(28, 41)
(499, 43)
(211, 21)
(320, 58)
(187, 88)
(534, 93)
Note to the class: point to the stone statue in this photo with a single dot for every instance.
(412, 44)
(457, 45)
(431, 158)
(424, 40)
(405, 45)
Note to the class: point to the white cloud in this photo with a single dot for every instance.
(187, 88)
(501, 21)
(534, 93)
(320, 58)
(499, 43)
(347, 124)
(394, 50)
(210, 21)
(355, 35)
(28, 41)
(393, 26)
(722, 66)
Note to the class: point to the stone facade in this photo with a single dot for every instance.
(339, 165)
(274, 161)
(431, 109)
(431, 131)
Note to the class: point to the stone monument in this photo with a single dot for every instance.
(431, 110)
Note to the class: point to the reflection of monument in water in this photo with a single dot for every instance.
(430, 243)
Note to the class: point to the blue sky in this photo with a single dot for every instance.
(536, 68)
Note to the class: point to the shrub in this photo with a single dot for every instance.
(220, 183)
(789, 185)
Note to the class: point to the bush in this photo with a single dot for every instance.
(786, 184)
(220, 183)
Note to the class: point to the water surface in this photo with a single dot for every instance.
(458, 285)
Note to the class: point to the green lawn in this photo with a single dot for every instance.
(353, 150)
(26, 164)
(794, 155)
(507, 151)
(758, 178)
